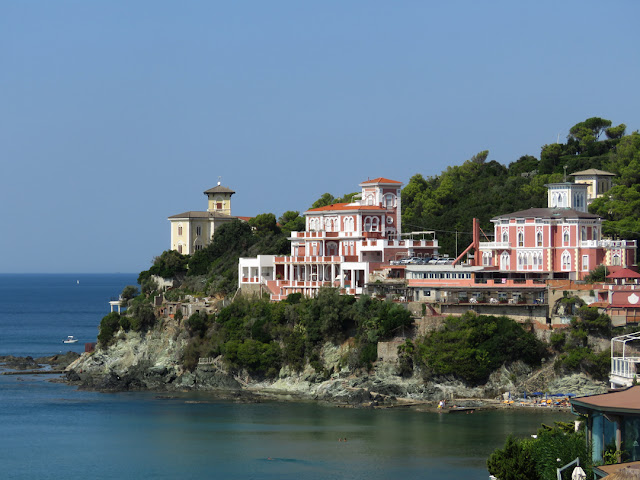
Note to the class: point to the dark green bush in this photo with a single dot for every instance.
(470, 347)
(109, 325)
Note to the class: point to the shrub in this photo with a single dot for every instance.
(558, 339)
(470, 347)
(109, 325)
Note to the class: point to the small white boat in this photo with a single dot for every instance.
(70, 339)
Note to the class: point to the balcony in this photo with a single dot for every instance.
(608, 244)
(495, 245)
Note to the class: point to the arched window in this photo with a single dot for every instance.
(566, 261)
(180, 231)
(505, 236)
(539, 239)
(595, 233)
(565, 236)
(615, 259)
(486, 259)
(348, 224)
(371, 224)
(521, 239)
(389, 200)
(332, 249)
(369, 199)
(504, 261)
(583, 234)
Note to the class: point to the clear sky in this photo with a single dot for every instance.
(115, 115)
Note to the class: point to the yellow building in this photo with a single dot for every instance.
(192, 231)
(598, 182)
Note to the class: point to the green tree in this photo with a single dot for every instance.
(513, 462)
(128, 293)
(525, 164)
(168, 265)
(592, 127)
(291, 221)
(264, 224)
(109, 325)
(550, 157)
(616, 133)
(597, 275)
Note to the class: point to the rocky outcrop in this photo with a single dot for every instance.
(153, 361)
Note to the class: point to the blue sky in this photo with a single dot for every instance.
(115, 115)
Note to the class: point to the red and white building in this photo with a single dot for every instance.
(342, 243)
(560, 241)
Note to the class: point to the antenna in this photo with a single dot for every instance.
(220, 178)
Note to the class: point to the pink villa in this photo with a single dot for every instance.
(341, 246)
(561, 241)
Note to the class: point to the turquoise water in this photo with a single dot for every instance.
(51, 431)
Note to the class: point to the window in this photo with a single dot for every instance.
(486, 259)
(615, 260)
(539, 239)
(389, 200)
(197, 247)
(565, 236)
(372, 224)
(566, 261)
(348, 224)
(218, 205)
(520, 239)
(505, 236)
(504, 261)
(583, 234)
(585, 263)
(180, 231)
(595, 233)
(426, 293)
(179, 248)
(198, 231)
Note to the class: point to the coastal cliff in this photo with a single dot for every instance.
(153, 360)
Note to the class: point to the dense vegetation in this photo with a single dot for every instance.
(538, 458)
(572, 345)
(261, 336)
(472, 346)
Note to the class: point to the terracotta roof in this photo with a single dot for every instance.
(553, 213)
(346, 207)
(219, 189)
(593, 171)
(599, 304)
(381, 180)
(622, 401)
(624, 273)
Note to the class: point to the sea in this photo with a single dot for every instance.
(50, 430)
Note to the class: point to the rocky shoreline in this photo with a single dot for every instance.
(152, 361)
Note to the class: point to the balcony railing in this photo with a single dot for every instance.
(624, 367)
(494, 245)
(608, 244)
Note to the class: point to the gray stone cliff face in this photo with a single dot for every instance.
(153, 361)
